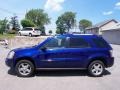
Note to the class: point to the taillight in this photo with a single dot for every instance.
(111, 53)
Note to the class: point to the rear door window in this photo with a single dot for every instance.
(78, 43)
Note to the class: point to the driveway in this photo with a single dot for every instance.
(60, 80)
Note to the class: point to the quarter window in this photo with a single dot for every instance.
(101, 43)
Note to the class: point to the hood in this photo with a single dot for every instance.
(24, 49)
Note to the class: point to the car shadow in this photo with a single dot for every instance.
(59, 73)
(11, 72)
(65, 73)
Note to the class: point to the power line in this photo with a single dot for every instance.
(10, 12)
(7, 11)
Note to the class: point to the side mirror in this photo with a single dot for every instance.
(43, 49)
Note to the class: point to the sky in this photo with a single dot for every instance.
(93, 10)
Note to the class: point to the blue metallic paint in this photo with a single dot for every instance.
(63, 57)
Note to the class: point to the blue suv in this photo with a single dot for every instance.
(69, 51)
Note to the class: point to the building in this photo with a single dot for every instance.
(112, 34)
(98, 28)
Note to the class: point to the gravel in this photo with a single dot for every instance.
(60, 80)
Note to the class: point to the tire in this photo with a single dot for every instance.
(24, 68)
(19, 34)
(30, 34)
(96, 68)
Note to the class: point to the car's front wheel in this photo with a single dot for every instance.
(96, 68)
(24, 68)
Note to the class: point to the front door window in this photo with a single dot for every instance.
(56, 42)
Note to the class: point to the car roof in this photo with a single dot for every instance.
(79, 35)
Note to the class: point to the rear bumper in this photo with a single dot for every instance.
(110, 62)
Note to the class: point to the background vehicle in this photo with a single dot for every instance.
(30, 31)
(88, 52)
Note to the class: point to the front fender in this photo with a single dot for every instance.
(23, 56)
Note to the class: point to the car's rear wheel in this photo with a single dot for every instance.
(96, 68)
(19, 34)
(30, 34)
(24, 68)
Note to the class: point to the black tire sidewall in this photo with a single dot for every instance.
(90, 66)
(19, 34)
(24, 61)
(30, 34)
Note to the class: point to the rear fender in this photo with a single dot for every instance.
(100, 57)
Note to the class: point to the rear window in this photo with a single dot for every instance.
(100, 42)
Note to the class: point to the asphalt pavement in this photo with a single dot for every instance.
(60, 80)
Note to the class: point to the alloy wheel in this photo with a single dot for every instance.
(97, 69)
(24, 69)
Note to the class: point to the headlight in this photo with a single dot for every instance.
(10, 55)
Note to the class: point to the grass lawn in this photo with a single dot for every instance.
(7, 36)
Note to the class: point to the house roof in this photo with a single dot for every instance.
(98, 25)
(115, 27)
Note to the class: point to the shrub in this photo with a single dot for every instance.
(12, 32)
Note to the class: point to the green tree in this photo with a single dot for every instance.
(38, 17)
(60, 31)
(66, 21)
(42, 29)
(27, 23)
(14, 23)
(83, 24)
(50, 32)
(57, 31)
(60, 26)
(3, 25)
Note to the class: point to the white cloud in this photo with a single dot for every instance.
(117, 5)
(108, 13)
(55, 5)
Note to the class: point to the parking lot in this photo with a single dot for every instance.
(60, 80)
